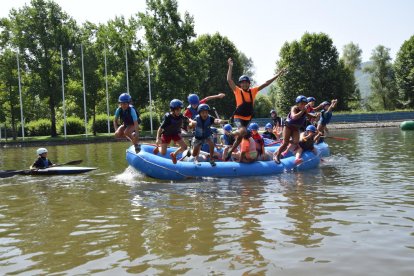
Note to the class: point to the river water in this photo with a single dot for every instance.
(352, 216)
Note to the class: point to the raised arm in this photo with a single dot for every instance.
(212, 97)
(280, 73)
(333, 104)
(229, 73)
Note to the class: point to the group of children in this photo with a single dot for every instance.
(196, 117)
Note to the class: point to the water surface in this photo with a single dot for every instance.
(352, 216)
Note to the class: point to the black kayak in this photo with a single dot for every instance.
(60, 170)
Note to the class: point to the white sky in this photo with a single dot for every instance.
(260, 27)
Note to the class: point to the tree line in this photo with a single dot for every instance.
(181, 63)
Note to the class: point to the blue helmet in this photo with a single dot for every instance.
(244, 78)
(254, 126)
(311, 128)
(124, 98)
(268, 125)
(300, 99)
(227, 127)
(311, 99)
(325, 103)
(273, 111)
(193, 99)
(202, 107)
(214, 130)
(176, 104)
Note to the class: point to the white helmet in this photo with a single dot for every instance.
(40, 151)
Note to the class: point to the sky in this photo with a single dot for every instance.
(259, 28)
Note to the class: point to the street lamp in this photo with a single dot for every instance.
(147, 63)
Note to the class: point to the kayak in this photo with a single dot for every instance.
(407, 125)
(162, 167)
(60, 170)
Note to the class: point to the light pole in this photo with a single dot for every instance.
(147, 63)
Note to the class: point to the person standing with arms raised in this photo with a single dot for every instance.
(244, 103)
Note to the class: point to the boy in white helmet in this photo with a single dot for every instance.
(42, 161)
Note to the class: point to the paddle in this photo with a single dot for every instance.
(9, 173)
(336, 138)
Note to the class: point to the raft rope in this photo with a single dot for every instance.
(165, 168)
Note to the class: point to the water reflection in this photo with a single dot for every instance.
(358, 204)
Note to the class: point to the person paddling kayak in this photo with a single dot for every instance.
(42, 161)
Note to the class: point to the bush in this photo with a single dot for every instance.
(38, 128)
(101, 124)
(146, 121)
(74, 125)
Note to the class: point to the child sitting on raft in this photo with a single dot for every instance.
(262, 154)
(248, 151)
(268, 133)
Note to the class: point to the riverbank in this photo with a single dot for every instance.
(110, 139)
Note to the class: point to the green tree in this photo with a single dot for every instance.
(313, 70)
(169, 40)
(383, 85)
(351, 56)
(404, 73)
(214, 50)
(9, 93)
(262, 106)
(38, 31)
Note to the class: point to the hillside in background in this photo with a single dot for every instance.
(363, 80)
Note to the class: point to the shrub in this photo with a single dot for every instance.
(146, 121)
(101, 124)
(38, 128)
(74, 125)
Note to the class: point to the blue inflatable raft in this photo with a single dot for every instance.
(161, 167)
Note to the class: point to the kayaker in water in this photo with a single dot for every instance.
(244, 102)
(129, 127)
(203, 131)
(194, 101)
(294, 121)
(42, 161)
(170, 129)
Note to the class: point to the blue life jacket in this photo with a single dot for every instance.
(193, 111)
(202, 129)
(325, 117)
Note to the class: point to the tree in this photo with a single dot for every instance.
(404, 73)
(383, 86)
(9, 95)
(313, 70)
(351, 56)
(38, 31)
(262, 106)
(169, 40)
(214, 50)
